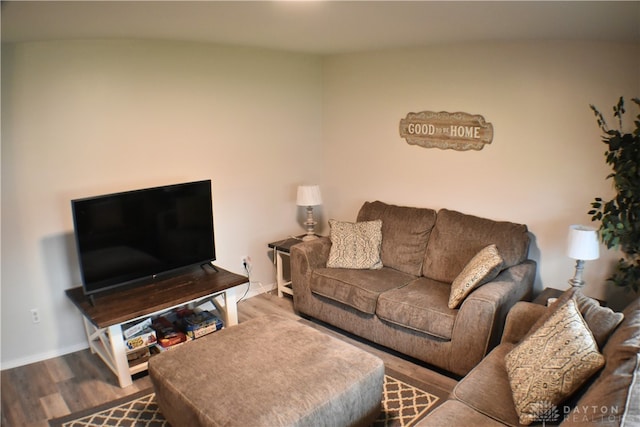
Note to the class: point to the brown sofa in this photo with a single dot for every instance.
(404, 304)
(610, 398)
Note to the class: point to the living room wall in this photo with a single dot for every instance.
(544, 166)
(82, 118)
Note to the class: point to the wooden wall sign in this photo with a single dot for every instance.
(458, 131)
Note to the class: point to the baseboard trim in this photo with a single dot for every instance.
(42, 356)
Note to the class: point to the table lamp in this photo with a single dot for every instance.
(309, 196)
(583, 245)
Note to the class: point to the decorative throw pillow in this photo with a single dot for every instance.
(602, 321)
(482, 268)
(355, 245)
(552, 363)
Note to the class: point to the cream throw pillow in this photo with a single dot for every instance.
(483, 267)
(552, 363)
(355, 245)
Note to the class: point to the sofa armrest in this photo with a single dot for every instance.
(480, 319)
(306, 257)
(520, 319)
(312, 254)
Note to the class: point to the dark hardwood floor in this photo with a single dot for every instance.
(35, 393)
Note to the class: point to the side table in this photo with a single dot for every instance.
(281, 249)
(547, 293)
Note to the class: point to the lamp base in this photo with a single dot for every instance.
(311, 225)
(577, 281)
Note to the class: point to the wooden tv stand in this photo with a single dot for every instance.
(105, 313)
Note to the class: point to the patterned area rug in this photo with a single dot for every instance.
(402, 405)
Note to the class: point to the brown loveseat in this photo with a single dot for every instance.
(405, 304)
(609, 398)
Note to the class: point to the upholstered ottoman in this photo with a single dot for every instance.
(269, 371)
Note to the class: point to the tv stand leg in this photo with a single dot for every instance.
(108, 344)
(232, 307)
(228, 307)
(119, 353)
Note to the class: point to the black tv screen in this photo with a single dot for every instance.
(137, 235)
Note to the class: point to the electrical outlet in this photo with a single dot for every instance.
(35, 315)
(246, 262)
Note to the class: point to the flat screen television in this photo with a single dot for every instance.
(135, 236)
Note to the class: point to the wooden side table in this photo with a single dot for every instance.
(547, 293)
(281, 249)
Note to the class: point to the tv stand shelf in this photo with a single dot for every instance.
(105, 313)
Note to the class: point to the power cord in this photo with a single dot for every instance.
(247, 269)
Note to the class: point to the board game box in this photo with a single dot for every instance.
(198, 324)
(168, 334)
(145, 338)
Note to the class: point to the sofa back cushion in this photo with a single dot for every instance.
(405, 233)
(457, 237)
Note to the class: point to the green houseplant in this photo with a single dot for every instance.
(620, 217)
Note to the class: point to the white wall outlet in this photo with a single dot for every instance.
(35, 315)
(246, 262)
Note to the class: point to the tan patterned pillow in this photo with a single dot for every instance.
(355, 245)
(552, 363)
(482, 268)
(602, 321)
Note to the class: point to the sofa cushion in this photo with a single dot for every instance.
(482, 268)
(613, 398)
(552, 363)
(486, 388)
(359, 289)
(355, 245)
(421, 305)
(600, 320)
(457, 237)
(455, 413)
(405, 232)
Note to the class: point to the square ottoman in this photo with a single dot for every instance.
(269, 371)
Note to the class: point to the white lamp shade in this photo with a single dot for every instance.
(309, 195)
(583, 243)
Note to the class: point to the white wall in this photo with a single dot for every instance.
(83, 118)
(92, 117)
(546, 162)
